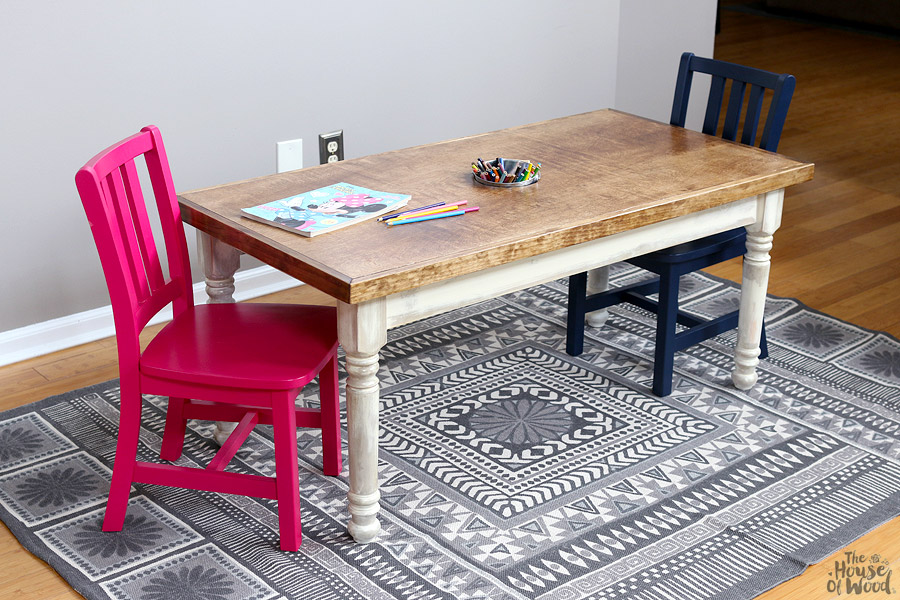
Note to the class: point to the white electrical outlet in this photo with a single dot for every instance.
(288, 155)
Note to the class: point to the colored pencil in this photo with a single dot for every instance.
(455, 213)
(448, 207)
(411, 210)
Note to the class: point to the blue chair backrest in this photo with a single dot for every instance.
(782, 87)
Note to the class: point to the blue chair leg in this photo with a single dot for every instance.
(664, 357)
(763, 345)
(575, 318)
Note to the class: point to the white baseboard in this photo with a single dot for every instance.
(91, 325)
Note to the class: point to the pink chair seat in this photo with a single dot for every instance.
(257, 346)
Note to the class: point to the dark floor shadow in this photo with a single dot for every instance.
(760, 9)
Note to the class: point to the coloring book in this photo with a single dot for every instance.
(326, 209)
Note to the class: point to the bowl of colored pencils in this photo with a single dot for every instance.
(506, 172)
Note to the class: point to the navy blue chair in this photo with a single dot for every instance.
(671, 263)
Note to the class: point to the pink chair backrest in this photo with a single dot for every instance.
(110, 190)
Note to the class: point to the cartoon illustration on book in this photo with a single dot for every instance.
(286, 218)
(348, 206)
(326, 209)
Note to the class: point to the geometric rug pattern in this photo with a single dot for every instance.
(508, 469)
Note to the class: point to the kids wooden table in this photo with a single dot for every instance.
(613, 186)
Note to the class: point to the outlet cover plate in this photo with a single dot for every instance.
(331, 146)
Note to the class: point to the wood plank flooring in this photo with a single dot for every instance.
(837, 250)
(839, 243)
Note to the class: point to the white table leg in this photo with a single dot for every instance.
(219, 262)
(597, 281)
(362, 331)
(754, 283)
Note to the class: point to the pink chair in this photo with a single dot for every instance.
(226, 362)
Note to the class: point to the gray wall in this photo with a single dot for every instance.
(652, 36)
(224, 81)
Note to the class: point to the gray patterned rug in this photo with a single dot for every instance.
(508, 469)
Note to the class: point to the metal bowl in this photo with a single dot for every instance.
(513, 184)
(510, 164)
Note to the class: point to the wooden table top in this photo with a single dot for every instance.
(602, 172)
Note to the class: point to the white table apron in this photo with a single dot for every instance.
(362, 328)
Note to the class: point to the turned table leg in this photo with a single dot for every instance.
(362, 331)
(597, 281)
(219, 262)
(754, 283)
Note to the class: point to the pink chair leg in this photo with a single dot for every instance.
(330, 402)
(173, 434)
(287, 480)
(126, 454)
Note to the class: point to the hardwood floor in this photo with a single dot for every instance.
(837, 250)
